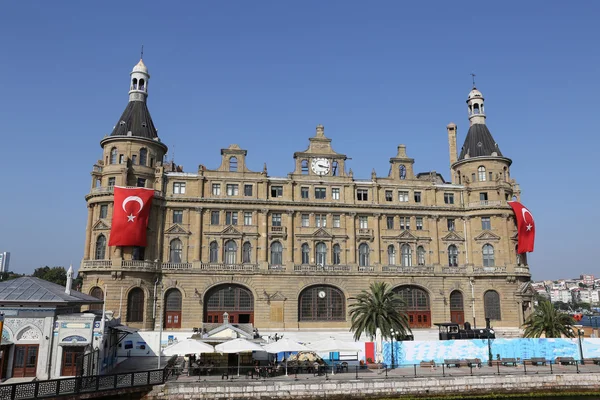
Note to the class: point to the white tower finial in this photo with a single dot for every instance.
(69, 280)
(138, 88)
(475, 107)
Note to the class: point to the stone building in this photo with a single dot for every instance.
(289, 253)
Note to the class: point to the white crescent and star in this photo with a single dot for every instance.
(524, 211)
(131, 217)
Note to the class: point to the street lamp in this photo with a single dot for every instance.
(490, 332)
(392, 334)
(580, 333)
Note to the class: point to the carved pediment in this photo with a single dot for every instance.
(231, 231)
(322, 233)
(453, 237)
(177, 229)
(406, 236)
(526, 289)
(487, 235)
(100, 226)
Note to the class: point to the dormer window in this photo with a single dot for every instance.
(233, 164)
(402, 172)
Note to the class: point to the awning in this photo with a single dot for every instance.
(124, 329)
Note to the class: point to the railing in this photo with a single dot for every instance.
(365, 232)
(522, 270)
(454, 270)
(278, 268)
(365, 268)
(485, 203)
(278, 230)
(106, 264)
(321, 268)
(171, 265)
(489, 270)
(228, 267)
(105, 189)
(418, 270)
(150, 265)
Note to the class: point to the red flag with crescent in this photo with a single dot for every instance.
(525, 227)
(130, 216)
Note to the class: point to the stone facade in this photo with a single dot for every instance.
(254, 245)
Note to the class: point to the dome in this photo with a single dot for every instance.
(140, 67)
(475, 94)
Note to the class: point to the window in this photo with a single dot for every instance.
(406, 255)
(335, 193)
(135, 305)
(276, 191)
(231, 218)
(473, 177)
(304, 192)
(321, 303)
(305, 254)
(389, 195)
(404, 223)
(230, 252)
(417, 197)
(216, 189)
(179, 188)
(451, 225)
(491, 176)
(320, 193)
(232, 189)
(391, 251)
(321, 253)
(402, 172)
(177, 216)
(491, 301)
(172, 309)
(213, 254)
(453, 256)
(143, 157)
(247, 218)
(363, 255)
(420, 255)
(111, 182)
(390, 222)
(246, 253)
(337, 251)
(100, 247)
(151, 162)
(336, 221)
(304, 167)
(419, 223)
(488, 255)
(214, 218)
(247, 190)
(334, 168)
(103, 210)
(99, 294)
(276, 219)
(141, 182)
(481, 173)
(134, 159)
(175, 250)
(305, 220)
(121, 159)
(362, 194)
(486, 223)
(138, 253)
(276, 253)
(321, 220)
(449, 198)
(363, 222)
(402, 196)
(233, 164)
(483, 196)
(113, 155)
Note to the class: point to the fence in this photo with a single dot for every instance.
(87, 364)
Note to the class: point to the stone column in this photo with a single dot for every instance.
(88, 233)
(376, 242)
(510, 256)
(468, 243)
(351, 229)
(198, 252)
(290, 239)
(264, 237)
(435, 243)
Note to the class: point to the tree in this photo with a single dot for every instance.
(380, 307)
(56, 275)
(548, 321)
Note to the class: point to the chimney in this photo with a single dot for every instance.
(451, 127)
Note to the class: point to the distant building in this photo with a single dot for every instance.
(587, 280)
(4, 261)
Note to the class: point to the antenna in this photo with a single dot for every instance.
(472, 76)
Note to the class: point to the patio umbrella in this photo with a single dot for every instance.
(378, 346)
(238, 346)
(332, 345)
(188, 346)
(285, 345)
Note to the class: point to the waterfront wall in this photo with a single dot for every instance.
(432, 386)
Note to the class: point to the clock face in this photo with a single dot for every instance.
(321, 166)
(322, 294)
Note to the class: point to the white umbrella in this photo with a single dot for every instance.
(285, 345)
(332, 345)
(378, 346)
(188, 346)
(238, 346)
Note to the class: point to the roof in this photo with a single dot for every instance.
(140, 67)
(137, 120)
(34, 290)
(479, 143)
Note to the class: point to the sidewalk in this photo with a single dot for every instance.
(133, 364)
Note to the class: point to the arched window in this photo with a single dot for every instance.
(406, 255)
(175, 250)
(456, 301)
(233, 165)
(420, 255)
(417, 306)
(363, 255)
(481, 173)
(99, 294)
(101, 247)
(230, 252)
(276, 253)
(213, 252)
(452, 256)
(321, 303)
(236, 300)
(172, 309)
(337, 251)
(141, 84)
(470, 110)
(304, 167)
(491, 304)
(113, 155)
(488, 255)
(247, 253)
(143, 156)
(402, 172)
(321, 253)
(134, 84)
(305, 254)
(391, 251)
(135, 305)
(475, 108)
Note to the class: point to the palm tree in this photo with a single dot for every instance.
(381, 308)
(548, 321)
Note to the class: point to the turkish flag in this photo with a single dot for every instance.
(130, 216)
(525, 227)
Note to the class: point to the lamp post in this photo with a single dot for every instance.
(580, 333)
(490, 332)
(392, 333)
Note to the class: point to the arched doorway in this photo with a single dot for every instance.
(99, 294)
(321, 303)
(417, 306)
(173, 309)
(236, 300)
(457, 312)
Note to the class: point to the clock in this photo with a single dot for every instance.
(322, 294)
(321, 166)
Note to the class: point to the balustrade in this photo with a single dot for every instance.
(228, 267)
(489, 270)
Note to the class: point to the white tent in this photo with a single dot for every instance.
(188, 346)
(285, 345)
(238, 346)
(332, 345)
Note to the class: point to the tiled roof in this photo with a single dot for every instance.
(35, 290)
(137, 120)
(479, 143)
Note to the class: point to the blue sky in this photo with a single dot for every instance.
(263, 74)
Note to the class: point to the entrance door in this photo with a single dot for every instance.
(25, 361)
(457, 314)
(173, 319)
(419, 319)
(417, 306)
(71, 354)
